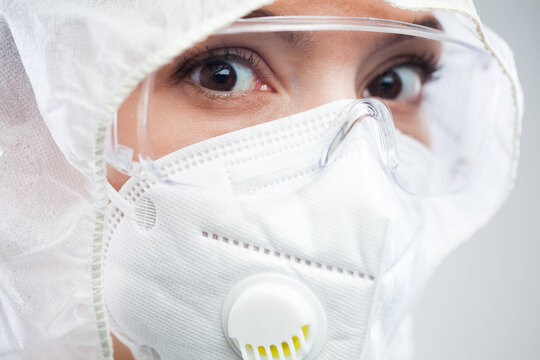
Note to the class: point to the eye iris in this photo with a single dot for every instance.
(218, 76)
(387, 86)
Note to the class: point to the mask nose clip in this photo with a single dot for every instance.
(376, 117)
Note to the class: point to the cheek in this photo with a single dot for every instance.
(116, 178)
(177, 121)
(411, 120)
(180, 117)
(127, 121)
(127, 136)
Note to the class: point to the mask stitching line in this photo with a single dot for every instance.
(294, 176)
(252, 141)
(319, 121)
(115, 218)
(268, 154)
(234, 184)
(205, 156)
(288, 257)
(139, 188)
(113, 222)
(297, 175)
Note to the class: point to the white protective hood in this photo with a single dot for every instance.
(66, 66)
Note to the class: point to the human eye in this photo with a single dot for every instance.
(403, 81)
(225, 71)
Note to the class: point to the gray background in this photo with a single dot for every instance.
(484, 300)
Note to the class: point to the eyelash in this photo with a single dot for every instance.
(240, 55)
(426, 63)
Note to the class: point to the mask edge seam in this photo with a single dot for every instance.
(284, 256)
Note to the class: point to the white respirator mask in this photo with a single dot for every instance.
(272, 254)
(259, 223)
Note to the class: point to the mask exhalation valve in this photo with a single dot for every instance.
(274, 317)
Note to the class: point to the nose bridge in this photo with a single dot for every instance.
(325, 86)
(327, 72)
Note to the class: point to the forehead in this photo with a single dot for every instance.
(353, 8)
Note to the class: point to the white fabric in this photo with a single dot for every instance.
(260, 187)
(66, 67)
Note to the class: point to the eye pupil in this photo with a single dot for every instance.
(218, 76)
(387, 85)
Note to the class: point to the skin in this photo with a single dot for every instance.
(337, 76)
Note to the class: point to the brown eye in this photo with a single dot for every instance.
(398, 83)
(218, 76)
(227, 76)
(387, 85)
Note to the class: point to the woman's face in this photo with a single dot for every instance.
(231, 82)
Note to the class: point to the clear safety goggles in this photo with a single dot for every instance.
(431, 83)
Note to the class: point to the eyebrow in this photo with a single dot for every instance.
(298, 39)
(295, 39)
(430, 22)
(258, 13)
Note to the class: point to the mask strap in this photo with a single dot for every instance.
(118, 200)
